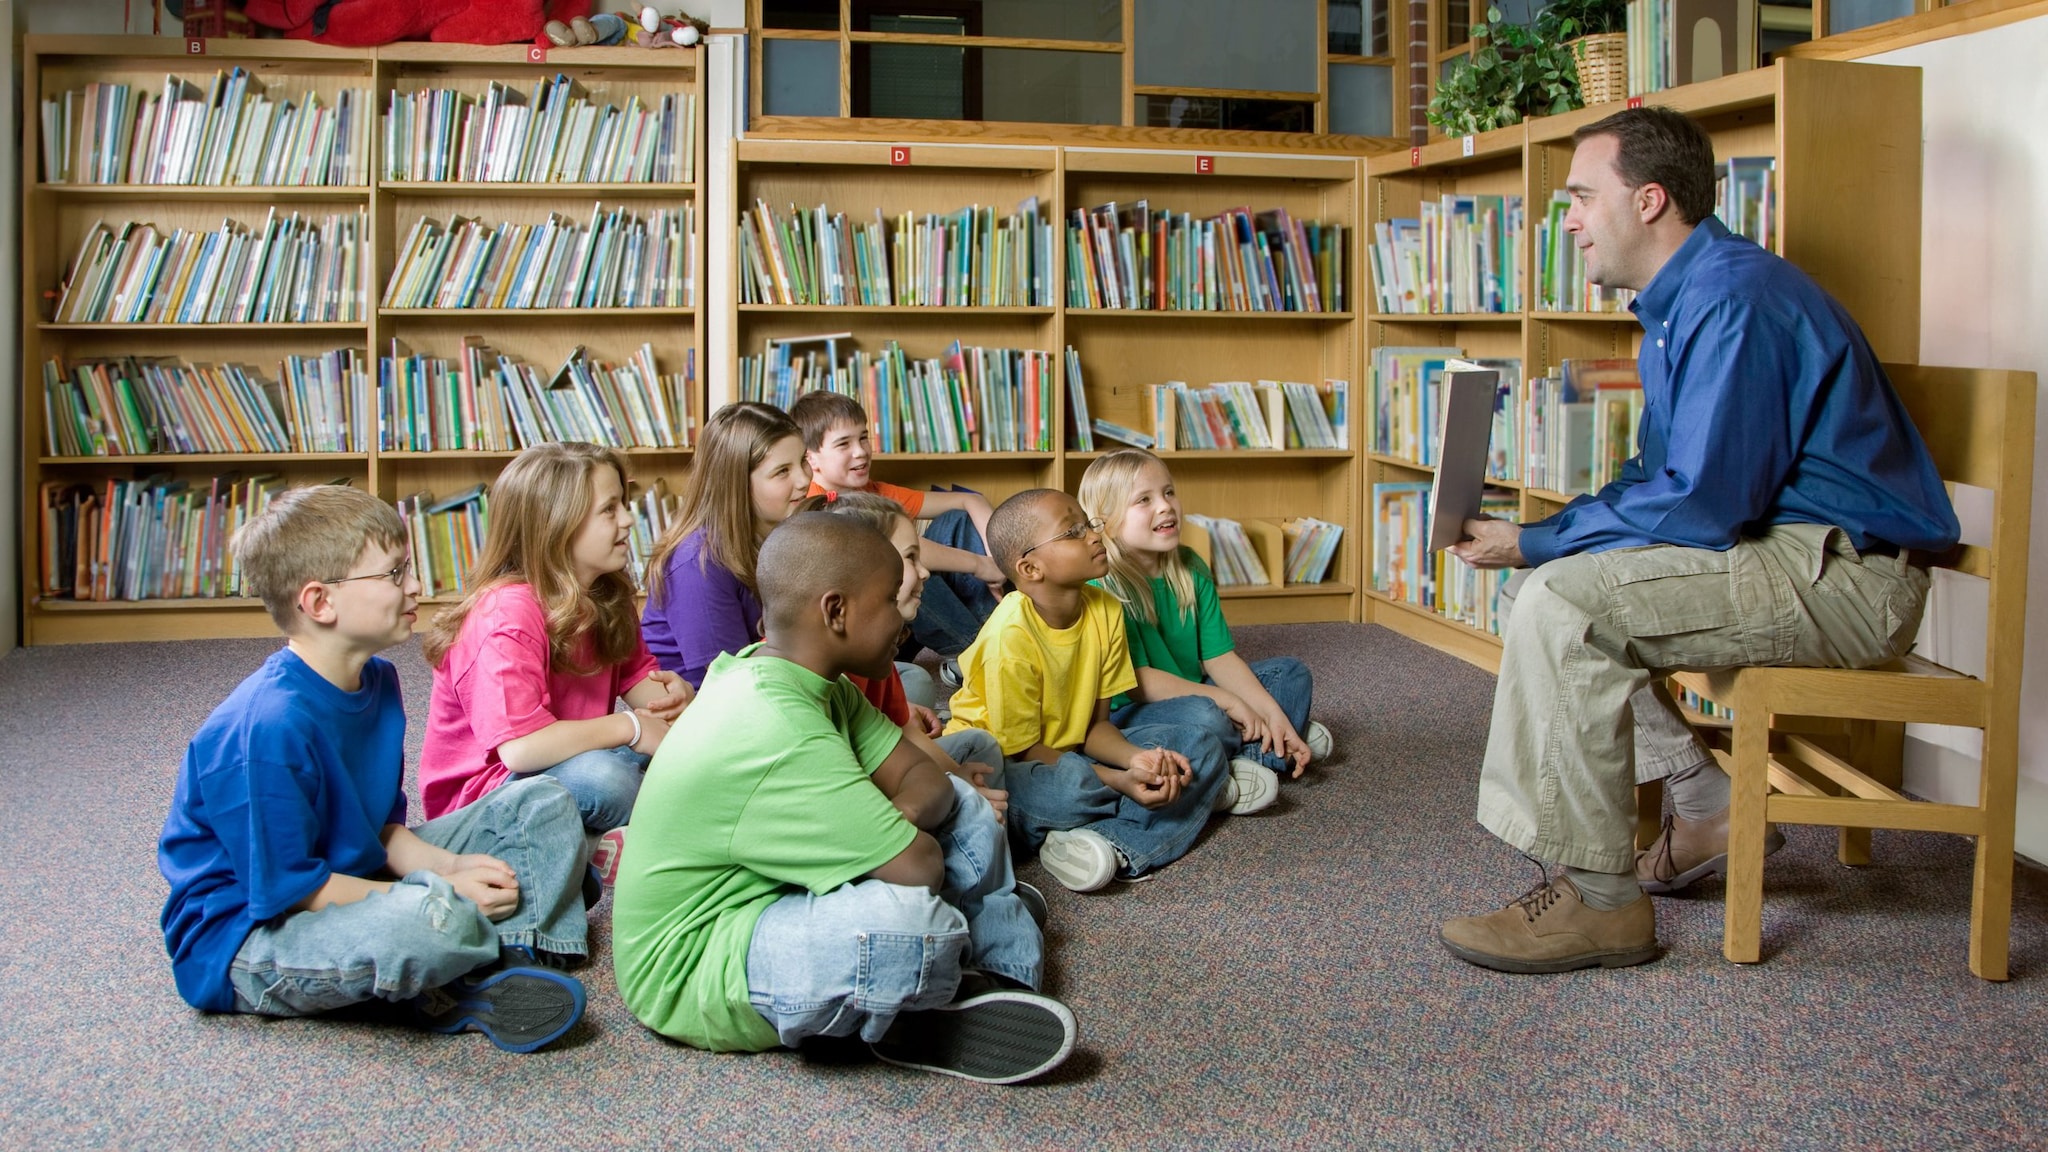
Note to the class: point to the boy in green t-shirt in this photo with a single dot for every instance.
(797, 869)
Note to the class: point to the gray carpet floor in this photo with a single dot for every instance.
(1282, 987)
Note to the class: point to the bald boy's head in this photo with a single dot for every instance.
(813, 553)
(1017, 524)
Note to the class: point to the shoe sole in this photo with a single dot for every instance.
(1265, 790)
(995, 1038)
(1034, 903)
(1705, 868)
(1066, 866)
(1620, 959)
(518, 1009)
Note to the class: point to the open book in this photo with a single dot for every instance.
(1463, 432)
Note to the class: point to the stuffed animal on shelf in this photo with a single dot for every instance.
(651, 30)
(368, 23)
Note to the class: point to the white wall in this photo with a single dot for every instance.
(1984, 304)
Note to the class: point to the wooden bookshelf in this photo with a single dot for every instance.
(56, 214)
(1121, 350)
(1846, 138)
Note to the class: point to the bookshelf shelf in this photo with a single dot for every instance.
(893, 310)
(626, 343)
(1848, 213)
(173, 458)
(268, 193)
(1192, 314)
(549, 314)
(1275, 591)
(615, 189)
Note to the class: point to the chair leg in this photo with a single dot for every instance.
(1991, 885)
(1748, 801)
(1649, 813)
(1877, 747)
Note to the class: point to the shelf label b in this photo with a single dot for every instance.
(899, 154)
(195, 45)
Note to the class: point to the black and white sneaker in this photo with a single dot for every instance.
(997, 1037)
(949, 673)
(1034, 903)
(520, 1007)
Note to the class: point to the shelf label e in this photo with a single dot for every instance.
(1205, 165)
(1468, 145)
(195, 45)
(899, 154)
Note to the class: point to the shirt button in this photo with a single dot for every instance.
(1660, 343)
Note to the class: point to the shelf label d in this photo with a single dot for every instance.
(899, 154)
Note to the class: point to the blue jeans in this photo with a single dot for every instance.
(1283, 677)
(1056, 797)
(853, 958)
(603, 782)
(422, 934)
(974, 746)
(917, 685)
(955, 603)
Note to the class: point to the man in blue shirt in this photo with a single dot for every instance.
(1777, 512)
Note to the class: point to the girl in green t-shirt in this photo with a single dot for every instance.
(1188, 669)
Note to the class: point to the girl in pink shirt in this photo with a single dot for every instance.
(529, 667)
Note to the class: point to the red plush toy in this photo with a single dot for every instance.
(368, 23)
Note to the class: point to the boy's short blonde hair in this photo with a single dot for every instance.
(309, 534)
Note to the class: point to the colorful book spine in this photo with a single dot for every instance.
(969, 399)
(148, 538)
(230, 133)
(1131, 257)
(294, 270)
(619, 259)
(554, 134)
(972, 258)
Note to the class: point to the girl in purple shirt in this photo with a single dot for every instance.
(749, 477)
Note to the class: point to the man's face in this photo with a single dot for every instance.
(1605, 217)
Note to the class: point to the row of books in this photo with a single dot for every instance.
(484, 400)
(1687, 698)
(133, 406)
(969, 258)
(294, 270)
(968, 400)
(1747, 198)
(230, 133)
(1129, 257)
(1229, 549)
(1460, 253)
(1570, 433)
(446, 535)
(146, 538)
(1311, 547)
(1561, 283)
(554, 134)
(1267, 416)
(1404, 569)
(618, 260)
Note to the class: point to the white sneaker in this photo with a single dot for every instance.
(1079, 858)
(1252, 786)
(1318, 739)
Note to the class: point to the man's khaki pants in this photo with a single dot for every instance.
(1579, 715)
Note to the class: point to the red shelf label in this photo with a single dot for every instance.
(1415, 157)
(899, 154)
(536, 53)
(1635, 101)
(1205, 165)
(195, 45)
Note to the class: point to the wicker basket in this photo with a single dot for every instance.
(1603, 66)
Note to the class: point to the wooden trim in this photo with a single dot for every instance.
(1104, 46)
(923, 154)
(1322, 109)
(1330, 58)
(1130, 101)
(798, 34)
(1181, 164)
(1958, 19)
(1001, 132)
(1224, 93)
(845, 59)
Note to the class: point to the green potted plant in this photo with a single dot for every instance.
(1596, 32)
(1513, 72)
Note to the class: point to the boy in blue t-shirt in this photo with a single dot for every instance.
(296, 887)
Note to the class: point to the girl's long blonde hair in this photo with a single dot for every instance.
(538, 504)
(719, 495)
(1106, 492)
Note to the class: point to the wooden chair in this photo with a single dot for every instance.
(1979, 425)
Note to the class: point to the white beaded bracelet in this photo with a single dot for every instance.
(635, 718)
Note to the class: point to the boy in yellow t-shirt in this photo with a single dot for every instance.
(1095, 801)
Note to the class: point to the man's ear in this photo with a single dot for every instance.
(316, 602)
(832, 610)
(1652, 202)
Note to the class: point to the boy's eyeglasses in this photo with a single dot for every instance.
(396, 575)
(1074, 533)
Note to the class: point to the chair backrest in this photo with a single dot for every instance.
(1979, 425)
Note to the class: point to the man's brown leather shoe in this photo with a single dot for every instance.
(1552, 930)
(1691, 849)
